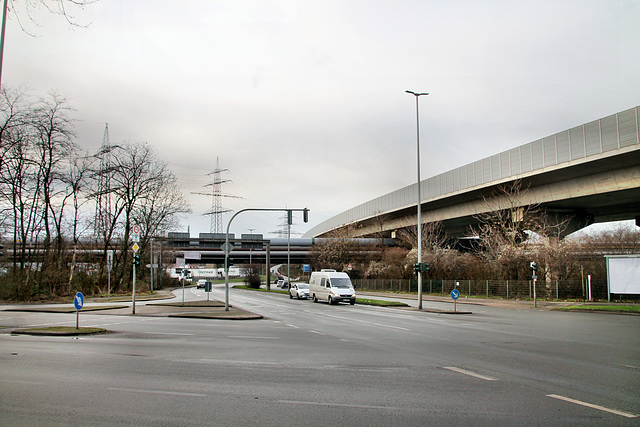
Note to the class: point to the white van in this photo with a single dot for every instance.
(331, 286)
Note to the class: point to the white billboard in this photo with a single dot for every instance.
(623, 274)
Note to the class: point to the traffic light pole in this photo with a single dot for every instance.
(534, 268)
(227, 245)
(133, 296)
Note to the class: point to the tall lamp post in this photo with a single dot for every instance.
(417, 95)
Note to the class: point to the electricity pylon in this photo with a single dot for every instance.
(216, 198)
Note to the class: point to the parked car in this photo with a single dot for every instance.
(202, 283)
(283, 284)
(299, 290)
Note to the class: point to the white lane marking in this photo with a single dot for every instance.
(253, 337)
(316, 332)
(630, 366)
(239, 362)
(470, 373)
(341, 405)
(170, 333)
(392, 327)
(170, 393)
(591, 405)
(22, 382)
(293, 326)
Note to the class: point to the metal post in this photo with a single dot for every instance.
(268, 261)
(151, 265)
(419, 230)
(4, 26)
(133, 296)
(288, 249)
(582, 279)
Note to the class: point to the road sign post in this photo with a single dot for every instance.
(135, 248)
(109, 267)
(455, 294)
(78, 302)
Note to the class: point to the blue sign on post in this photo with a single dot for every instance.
(455, 294)
(306, 268)
(78, 301)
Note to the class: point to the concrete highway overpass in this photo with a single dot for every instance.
(589, 173)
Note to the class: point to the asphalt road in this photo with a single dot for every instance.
(310, 364)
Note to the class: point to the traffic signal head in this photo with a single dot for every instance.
(534, 266)
(136, 260)
(425, 267)
(416, 268)
(305, 215)
(289, 217)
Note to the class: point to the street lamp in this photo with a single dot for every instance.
(417, 95)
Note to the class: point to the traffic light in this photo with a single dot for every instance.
(534, 266)
(305, 215)
(420, 267)
(136, 260)
(289, 217)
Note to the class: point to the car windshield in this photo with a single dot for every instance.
(340, 282)
(302, 286)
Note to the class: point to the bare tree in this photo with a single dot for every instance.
(336, 251)
(65, 8)
(505, 223)
(160, 210)
(13, 112)
(138, 179)
(53, 145)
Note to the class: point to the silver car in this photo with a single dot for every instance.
(299, 290)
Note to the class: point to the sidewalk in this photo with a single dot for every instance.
(212, 309)
(511, 303)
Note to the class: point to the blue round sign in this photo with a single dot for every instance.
(78, 301)
(455, 294)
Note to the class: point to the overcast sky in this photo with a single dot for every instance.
(304, 101)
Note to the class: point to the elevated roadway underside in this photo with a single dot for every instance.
(584, 192)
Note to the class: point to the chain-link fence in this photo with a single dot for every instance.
(509, 289)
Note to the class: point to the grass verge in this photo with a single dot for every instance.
(603, 308)
(60, 331)
(380, 303)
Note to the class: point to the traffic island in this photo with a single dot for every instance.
(435, 310)
(64, 309)
(59, 331)
(197, 310)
